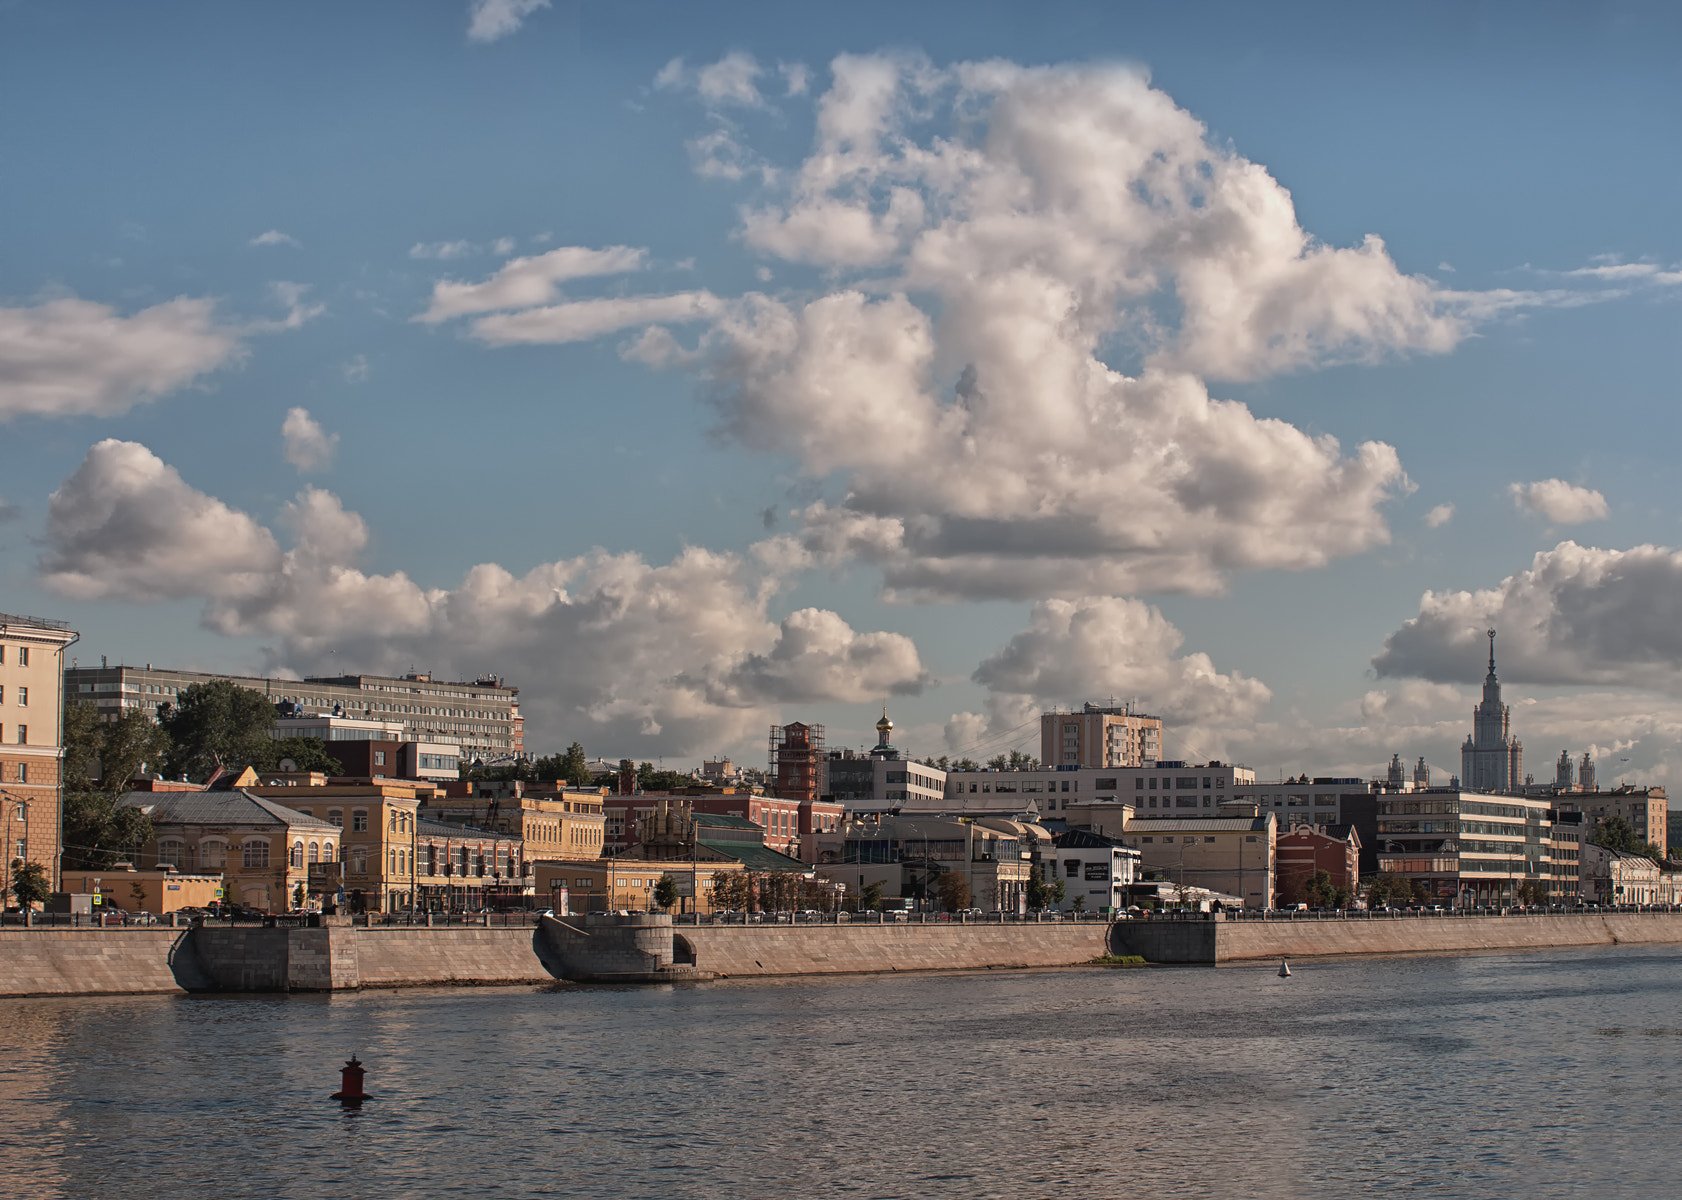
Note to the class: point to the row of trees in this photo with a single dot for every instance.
(1016, 760)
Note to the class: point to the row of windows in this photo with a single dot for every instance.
(22, 653)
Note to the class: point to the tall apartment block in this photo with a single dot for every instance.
(1100, 737)
(481, 716)
(31, 741)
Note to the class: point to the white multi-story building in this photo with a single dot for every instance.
(1176, 786)
(482, 716)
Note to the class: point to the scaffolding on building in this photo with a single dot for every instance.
(796, 761)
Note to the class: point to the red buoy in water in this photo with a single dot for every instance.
(351, 1083)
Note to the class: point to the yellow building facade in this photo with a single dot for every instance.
(31, 743)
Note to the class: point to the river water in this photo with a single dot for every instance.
(1476, 1076)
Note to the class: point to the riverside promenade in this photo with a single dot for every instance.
(646, 948)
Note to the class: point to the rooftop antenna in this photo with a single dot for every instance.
(1492, 652)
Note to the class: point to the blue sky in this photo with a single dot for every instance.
(217, 215)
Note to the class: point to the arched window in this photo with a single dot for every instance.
(255, 852)
(213, 854)
(327, 852)
(297, 855)
(315, 852)
(391, 861)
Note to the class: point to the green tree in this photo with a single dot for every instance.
(298, 896)
(1615, 833)
(1016, 760)
(306, 754)
(218, 725)
(97, 832)
(1390, 888)
(29, 883)
(870, 897)
(128, 745)
(574, 767)
(665, 892)
(966, 764)
(953, 890)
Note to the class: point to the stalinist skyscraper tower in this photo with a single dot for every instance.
(1491, 760)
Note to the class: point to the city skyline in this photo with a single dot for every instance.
(693, 375)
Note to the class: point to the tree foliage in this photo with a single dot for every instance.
(665, 891)
(29, 883)
(97, 832)
(1014, 761)
(218, 724)
(306, 754)
(1615, 833)
(953, 890)
(1393, 889)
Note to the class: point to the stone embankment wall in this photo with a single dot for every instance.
(1230, 941)
(403, 957)
(832, 949)
(91, 962)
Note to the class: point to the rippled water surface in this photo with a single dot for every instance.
(1477, 1076)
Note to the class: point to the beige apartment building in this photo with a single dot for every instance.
(561, 823)
(31, 742)
(1099, 736)
(378, 827)
(264, 850)
(1236, 855)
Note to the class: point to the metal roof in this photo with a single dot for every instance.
(219, 808)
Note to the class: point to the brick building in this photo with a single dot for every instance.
(31, 745)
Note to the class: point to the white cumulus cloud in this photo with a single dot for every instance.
(308, 447)
(490, 20)
(275, 237)
(1577, 615)
(70, 357)
(1560, 502)
(1103, 647)
(669, 658)
(126, 526)
(1439, 516)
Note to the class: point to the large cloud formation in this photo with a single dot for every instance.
(1578, 615)
(1099, 648)
(675, 658)
(991, 236)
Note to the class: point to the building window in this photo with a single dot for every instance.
(23, 772)
(379, 758)
(1209, 841)
(297, 859)
(212, 855)
(23, 735)
(23, 656)
(336, 816)
(1138, 783)
(359, 861)
(359, 820)
(170, 851)
(23, 697)
(315, 852)
(327, 852)
(255, 853)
